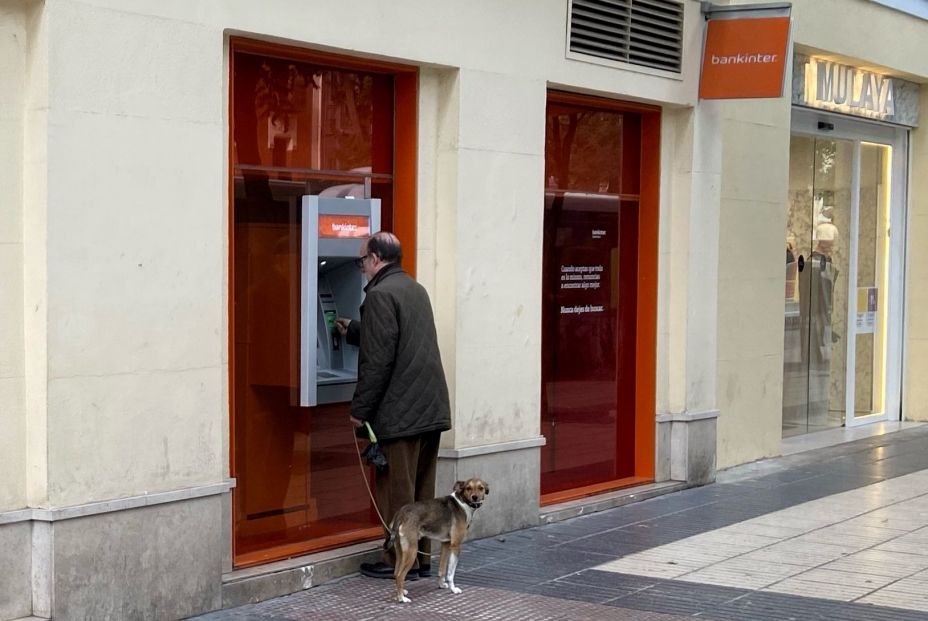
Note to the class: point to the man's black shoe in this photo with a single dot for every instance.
(376, 570)
(382, 570)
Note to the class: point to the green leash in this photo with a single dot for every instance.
(370, 433)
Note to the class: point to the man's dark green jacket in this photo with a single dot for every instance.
(401, 387)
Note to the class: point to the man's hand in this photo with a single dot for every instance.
(341, 324)
(354, 421)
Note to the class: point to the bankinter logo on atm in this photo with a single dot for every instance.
(344, 226)
(744, 58)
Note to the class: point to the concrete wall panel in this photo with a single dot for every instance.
(160, 562)
(513, 479)
(16, 577)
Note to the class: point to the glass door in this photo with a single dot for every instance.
(844, 274)
(816, 295)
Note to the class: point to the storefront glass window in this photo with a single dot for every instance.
(298, 115)
(298, 128)
(592, 175)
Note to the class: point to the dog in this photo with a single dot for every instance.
(442, 519)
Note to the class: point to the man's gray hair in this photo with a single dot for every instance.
(385, 245)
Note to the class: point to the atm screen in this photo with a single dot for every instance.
(344, 226)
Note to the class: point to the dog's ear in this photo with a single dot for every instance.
(459, 487)
(486, 488)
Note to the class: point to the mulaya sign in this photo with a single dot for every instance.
(830, 85)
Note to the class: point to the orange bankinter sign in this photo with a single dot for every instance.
(744, 58)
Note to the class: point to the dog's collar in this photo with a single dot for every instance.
(466, 505)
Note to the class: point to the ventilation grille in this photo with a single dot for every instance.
(648, 33)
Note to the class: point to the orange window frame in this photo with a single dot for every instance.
(646, 329)
(405, 145)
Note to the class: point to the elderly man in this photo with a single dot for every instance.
(401, 387)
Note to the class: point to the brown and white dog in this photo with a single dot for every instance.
(442, 519)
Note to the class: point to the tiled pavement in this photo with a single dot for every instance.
(840, 533)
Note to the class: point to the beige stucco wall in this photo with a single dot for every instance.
(868, 33)
(688, 257)
(135, 257)
(127, 377)
(497, 315)
(755, 178)
(755, 174)
(481, 158)
(914, 386)
(475, 173)
(126, 371)
(12, 350)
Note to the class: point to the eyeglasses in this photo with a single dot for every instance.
(359, 262)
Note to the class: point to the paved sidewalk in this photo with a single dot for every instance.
(839, 533)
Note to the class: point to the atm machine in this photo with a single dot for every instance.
(333, 230)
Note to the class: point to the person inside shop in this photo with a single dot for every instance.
(401, 390)
(821, 275)
(826, 233)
